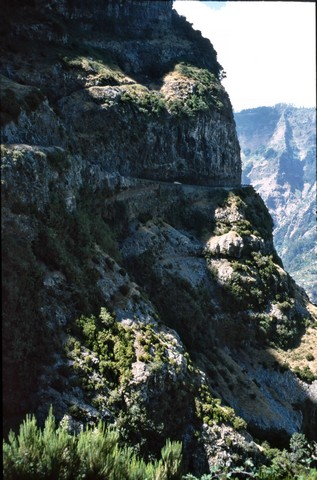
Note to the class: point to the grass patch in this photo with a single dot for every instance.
(189, 90)
(102, 69)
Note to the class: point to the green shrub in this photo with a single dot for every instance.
(69, 242)
(305, 374)
(255, 284)
(145, 101)
(171, 460)
(297, 463)
(94, 454)
(310, 357)
(205, 94)
(253, 294)
(34, 453)
(210, 410)
(110, 342)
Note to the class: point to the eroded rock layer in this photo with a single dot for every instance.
(141, 284)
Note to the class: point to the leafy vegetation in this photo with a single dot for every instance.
(297, 463)
(146, 101)
(153, 346)
(256, 213)
(305, 374)
(256, 280)
(110, 343)
(200, 91)
(101, 351)
(253, 281)
(56, 239)
(211, 412)
(93, 454)
(103, 69)
(253, 287)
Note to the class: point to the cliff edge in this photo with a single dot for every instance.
(141, 285)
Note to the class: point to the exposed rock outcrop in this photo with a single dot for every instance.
(279, 159)
(88, 92)
(129, 296)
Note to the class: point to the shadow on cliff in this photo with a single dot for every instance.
(225, 326)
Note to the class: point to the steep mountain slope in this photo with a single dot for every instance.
(128, 296)
(279, 159)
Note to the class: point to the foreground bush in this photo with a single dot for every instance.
(93, 454)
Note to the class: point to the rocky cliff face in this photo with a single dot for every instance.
(160, 306)
(88, 85)
(279, 159)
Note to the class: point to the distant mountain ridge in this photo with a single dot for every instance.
(278, 150)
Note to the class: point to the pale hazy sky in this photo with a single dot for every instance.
(267, 48)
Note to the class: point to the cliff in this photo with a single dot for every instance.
(156, 305)
(279, 159)
(133, 91)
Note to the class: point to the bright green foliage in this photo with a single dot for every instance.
(255, 284)
(93, 454)
(297, 463)
(102, 351)
(252, 281)
(107, 71)
(153, 345)
(205, 94)
(33, 453)
(111, 343)
(305, 374)
(211, 412)
(171, 460)
(146, 101)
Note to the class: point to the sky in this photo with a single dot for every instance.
(267, 48)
